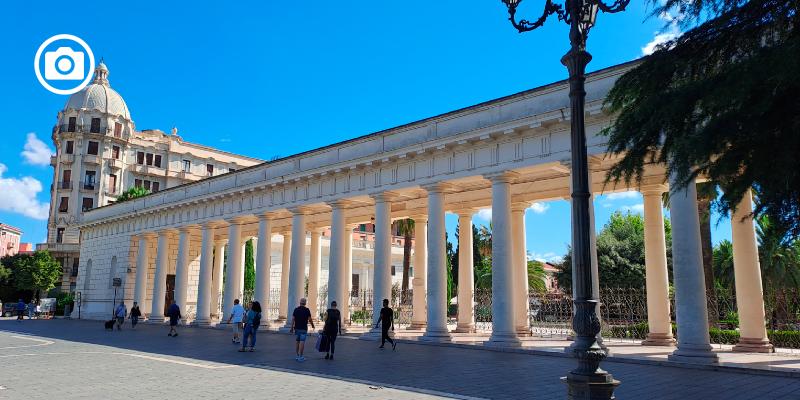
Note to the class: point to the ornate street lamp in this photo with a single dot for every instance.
(587, 381)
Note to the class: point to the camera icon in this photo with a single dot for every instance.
(63, 64)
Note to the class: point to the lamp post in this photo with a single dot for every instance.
(587, 381)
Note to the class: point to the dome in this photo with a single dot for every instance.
(99, 96)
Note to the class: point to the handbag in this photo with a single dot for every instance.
(325, 344)
(318, 345)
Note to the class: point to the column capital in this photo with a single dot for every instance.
(167, 232)
(439, 187)
(300, 210)
(316, 231)
(268, 215)
(502, 177)
(653, 190)
(210, 225)
(187, 228)
(520, 206)
(464, 211)
(220, 242)
(147, 235)
(384, 196)
(237, 220)
(286, 233)
(342, 204)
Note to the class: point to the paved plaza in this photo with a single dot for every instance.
(78, 359)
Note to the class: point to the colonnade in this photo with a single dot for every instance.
(510, 306)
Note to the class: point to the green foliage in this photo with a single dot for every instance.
(405, 228)
(723, 264)
(132, 193)
(483, 273)
(33, 272)
(249, 266)
(536, 277)
(450, 283)
(778, 254)
(718, 101)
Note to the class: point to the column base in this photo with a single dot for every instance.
(750, 345)
(600, 386)
(465, 328)
(202, 322)
(694, 354)
(503, 340)
(439, 335)
(416, 326)
(659, 339)
(155, 319)
(523, 331)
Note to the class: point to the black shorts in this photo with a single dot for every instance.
(173, 322)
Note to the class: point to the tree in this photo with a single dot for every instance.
(405, 227)
(35, 272)
(132, 193)
(718, 101)
(723, 264)
(249, 267)
(536, 277)
(778, 255)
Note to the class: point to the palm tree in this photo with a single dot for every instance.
(778, 254)
(484, 240)
(405, 228)
(723, 264)
(536, 277)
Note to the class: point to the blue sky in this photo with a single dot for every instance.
(277, 78)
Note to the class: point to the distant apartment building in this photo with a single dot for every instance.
(9, 240)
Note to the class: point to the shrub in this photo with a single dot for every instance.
(724, 336)
(785, 339)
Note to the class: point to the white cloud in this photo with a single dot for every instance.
(539, 208)
(623, 195)
(672, 32)
(548, 256)
(485, 214)
(19, 196)
(634, 209)
(36, 151)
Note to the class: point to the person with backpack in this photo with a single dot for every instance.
(135, 314)
(120, 313)
(251, 324)
(332, 328)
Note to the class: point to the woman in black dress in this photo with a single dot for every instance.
(333, 327)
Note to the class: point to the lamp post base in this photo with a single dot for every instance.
(596, 387)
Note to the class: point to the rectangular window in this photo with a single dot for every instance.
(59, 235)
(148, 159)
(89, 180)
(231, 169)
(157, 160)
(95, 128)
(67, 176)
(147, 185)
(210, 169)
(355, 284)
(137, 182)
(93, 148)
(155, 187)
(117, 129)
(72, 123)
(112, 183)
(187, 165)
(63, 206)
(393, 270)
(115, 152)
(140, 157)
(70, 147)
(75, 263)
(88, 204)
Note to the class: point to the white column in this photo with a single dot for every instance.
(747, 278)
(314, 266)
(297, 268)
(263, 260)
(521, 302)
(160, 278)
(142, 267)
(348, 274)
(382, 276)
(233, 270)
(286, 255)
(205, 278)
(656, 277)
(503, 329)
(419, 318)
(690, 289)
(216, 284)
(466, 273)
(336, 258)
(182, 270)
(436, 328)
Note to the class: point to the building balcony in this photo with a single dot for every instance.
(91, 159)
(64, 185)
(112, 192)
(67, 158)
(151, 170)
(89, 186)
(114, 163)
(53, 160)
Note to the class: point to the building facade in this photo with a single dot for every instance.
(503, 154)
(100, 154)
(9, 240)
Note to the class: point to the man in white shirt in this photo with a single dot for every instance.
(237, 315)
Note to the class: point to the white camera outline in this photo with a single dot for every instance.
(51, 71)
(47, 85)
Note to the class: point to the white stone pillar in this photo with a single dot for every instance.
(297, 266)
(657, 280)
(521, 290)
(233, 269)
(182, 270)
(348, 275)
(263, 260)
(142, 267)
(286, 255)
(205, 278)
(466, 273)
(382, 276)
(314, 266)
(160, 278)
(747, 278)
(419, 318)
(503, 329)
(336, 257)
(216, 284)
(690, 289)
(436, 329)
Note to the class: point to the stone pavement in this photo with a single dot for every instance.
(78, 359)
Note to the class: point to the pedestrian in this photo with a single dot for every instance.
(32, 309)
(332, 328)
(300, 319)
(174, 313)
(251, 324)
(386, 321)
(135, 314)
(121, 312)
(237, 313)
(20, 310)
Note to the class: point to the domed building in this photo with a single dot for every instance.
(100, 154)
